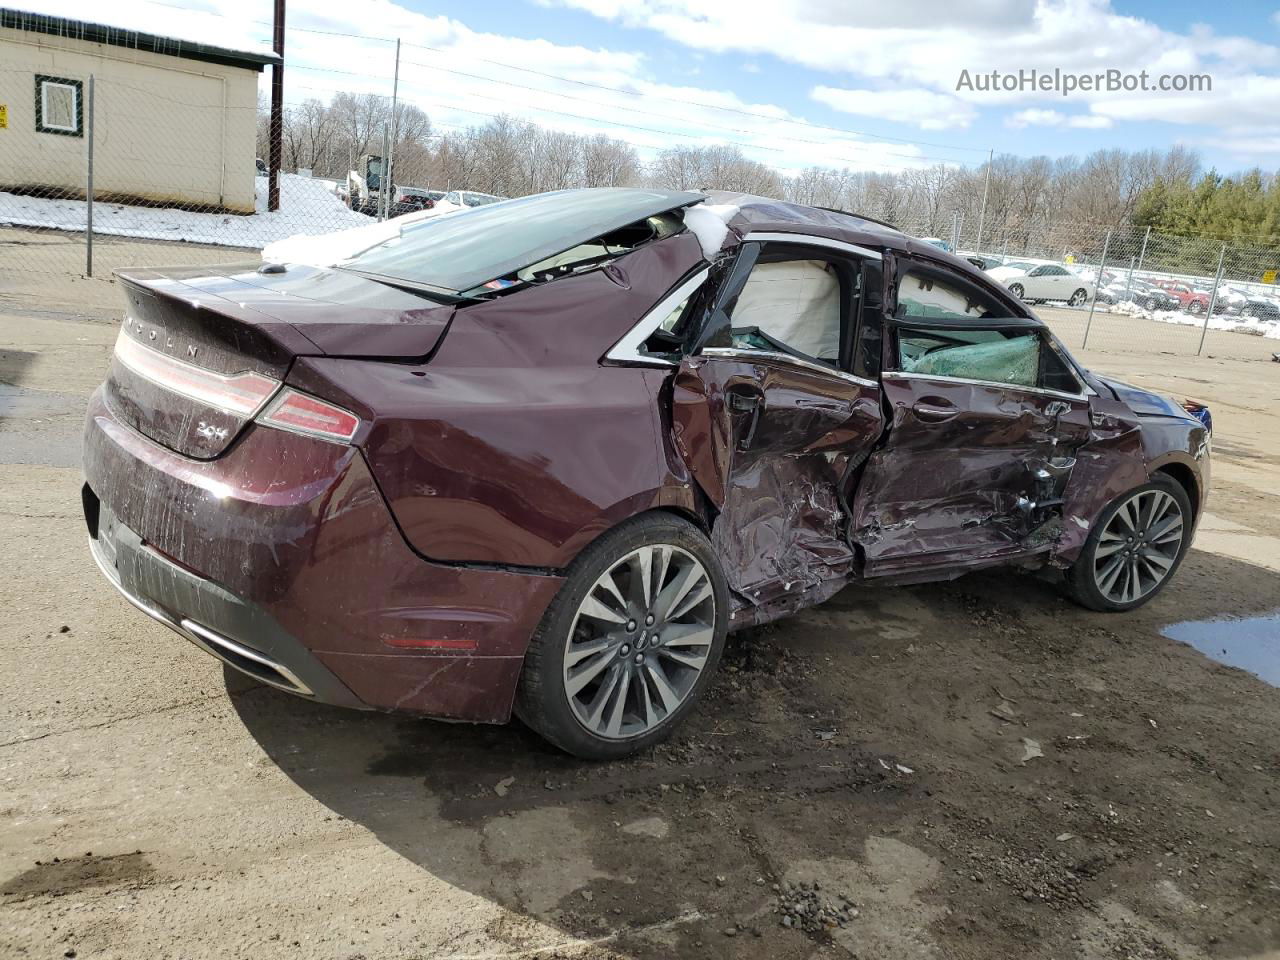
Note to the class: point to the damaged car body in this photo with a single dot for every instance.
(544, 454)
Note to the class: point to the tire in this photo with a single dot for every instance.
(1088, 580)
(1017, 290)
(1195, 308)
(624, 662)
(1078, 298)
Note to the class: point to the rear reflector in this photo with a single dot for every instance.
(302, 413)
(239, 393)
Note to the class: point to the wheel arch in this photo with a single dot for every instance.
(1186, 478)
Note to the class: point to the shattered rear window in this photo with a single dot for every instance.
(465, 250)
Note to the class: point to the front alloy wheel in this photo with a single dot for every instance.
(1078, 298)
(1135, 548)
(1017, 290)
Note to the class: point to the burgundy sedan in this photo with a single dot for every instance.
(542, 455)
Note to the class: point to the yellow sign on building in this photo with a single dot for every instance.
(4, 115)
(1268, 276)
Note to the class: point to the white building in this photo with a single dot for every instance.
(174, 121)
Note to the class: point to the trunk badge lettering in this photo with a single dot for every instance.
(211, 432)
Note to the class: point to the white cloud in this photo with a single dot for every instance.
(1036, 117)
(457, 75)
(914, 47)
(922, 108)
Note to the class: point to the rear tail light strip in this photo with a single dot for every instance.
(239, 393)
(242, 394)
(303, 413)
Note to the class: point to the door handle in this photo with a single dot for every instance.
(934, 409)
(748, 403)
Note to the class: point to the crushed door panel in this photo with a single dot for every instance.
(771, 444)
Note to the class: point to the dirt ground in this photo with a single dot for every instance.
(972, 770)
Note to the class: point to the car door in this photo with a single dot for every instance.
(985, 415)
(1065, 283)
(1037, 284)
(1058, 282)
(773, 409)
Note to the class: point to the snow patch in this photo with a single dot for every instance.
(330, 249)
(709, 222)
(307, 206)
(1247, 325)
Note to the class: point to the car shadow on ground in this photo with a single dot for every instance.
(831, 745)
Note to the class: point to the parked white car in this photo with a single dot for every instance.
(1049, 281)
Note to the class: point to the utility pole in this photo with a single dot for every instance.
(383, 187)
(982, 213)
(276, 130)
(388, 177)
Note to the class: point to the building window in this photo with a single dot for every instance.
(59, 106)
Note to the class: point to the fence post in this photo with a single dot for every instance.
(1128, 285)
(1004, 251)
(1213, 299)
(88, 185)
(1143, 252)
(1093, 302)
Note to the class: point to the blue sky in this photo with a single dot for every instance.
(791, 82)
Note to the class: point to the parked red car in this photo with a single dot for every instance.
(545, 453)
(1190, 299)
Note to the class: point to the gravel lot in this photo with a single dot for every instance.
(976, 769)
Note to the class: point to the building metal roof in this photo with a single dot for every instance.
(133, 39)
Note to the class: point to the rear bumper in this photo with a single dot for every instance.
(281, 558)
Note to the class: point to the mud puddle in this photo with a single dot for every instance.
(1251, 644)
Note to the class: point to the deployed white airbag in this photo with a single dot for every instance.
(796, 302)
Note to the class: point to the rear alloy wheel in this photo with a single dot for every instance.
(1195, 307)
(629, 643)
(1078, 298)
(1134, 549)
(1017, 290)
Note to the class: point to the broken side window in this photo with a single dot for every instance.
(994, 356)
(1017, 357)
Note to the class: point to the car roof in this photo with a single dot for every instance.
(764, 215)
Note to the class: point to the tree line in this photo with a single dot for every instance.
(1029, 201)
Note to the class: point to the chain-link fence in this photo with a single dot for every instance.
(1130, 288)
(101, 173)
(98, 174)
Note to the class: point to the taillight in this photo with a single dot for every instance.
(239, 393)
(303, 413)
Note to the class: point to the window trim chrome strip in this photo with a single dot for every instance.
(808, 239)
(737, 353)
(627, 350)
(911, 375)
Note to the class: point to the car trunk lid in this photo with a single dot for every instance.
(201, 351)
